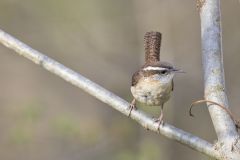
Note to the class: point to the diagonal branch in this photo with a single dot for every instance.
(106, 96)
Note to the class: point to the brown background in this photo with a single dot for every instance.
(43, 117)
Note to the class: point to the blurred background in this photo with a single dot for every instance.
(44, 117)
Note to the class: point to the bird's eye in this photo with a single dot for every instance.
(164, 72)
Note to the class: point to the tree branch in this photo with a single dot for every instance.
(214, 81)
(213, 68)
(106, 96)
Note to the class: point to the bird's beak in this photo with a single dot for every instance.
(176, 70)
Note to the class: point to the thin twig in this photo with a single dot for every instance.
(219, 105)
(107, 97)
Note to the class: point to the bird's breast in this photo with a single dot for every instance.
(152, 91)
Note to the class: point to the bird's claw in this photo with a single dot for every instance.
(160, 122)
(131, 107)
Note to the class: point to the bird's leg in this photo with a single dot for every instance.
(132, 106)
(160, 118)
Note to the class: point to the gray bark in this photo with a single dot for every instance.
(214, 81)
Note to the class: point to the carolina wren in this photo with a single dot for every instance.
(152, 84)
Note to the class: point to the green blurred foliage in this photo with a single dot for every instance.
(27, 117)
(66, 127)
(32, 112)
(20, 135)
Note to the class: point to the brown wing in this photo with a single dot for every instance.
(136, 76)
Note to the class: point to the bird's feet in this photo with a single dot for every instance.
(159, 121)
(132, 106)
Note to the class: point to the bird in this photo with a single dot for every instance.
(153, 83)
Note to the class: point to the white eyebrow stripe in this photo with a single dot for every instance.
(154, 68)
